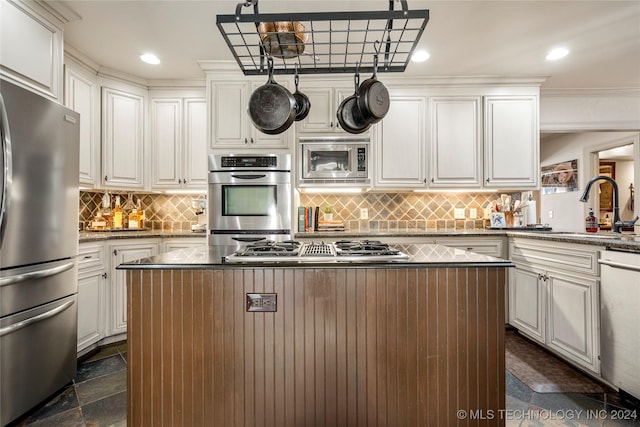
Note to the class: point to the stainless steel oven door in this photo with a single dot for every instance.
(250, 202)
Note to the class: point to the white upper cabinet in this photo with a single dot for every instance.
(456, 142)
(122, 138)
(400, 143)
(179, 143)
(82, 95)
(31, 47)
(512, 142)
(325, 101)
(231, 126)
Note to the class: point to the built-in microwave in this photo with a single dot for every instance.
(334, 160)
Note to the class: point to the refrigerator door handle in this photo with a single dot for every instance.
(7, 174)
(35, 274)
(39, 318)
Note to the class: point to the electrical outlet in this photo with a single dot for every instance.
(458, 213)
(364, 213)
(473, 213)
(550, 214)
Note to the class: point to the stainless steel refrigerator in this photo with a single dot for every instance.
(38, 245)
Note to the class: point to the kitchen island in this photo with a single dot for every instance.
(409, 342)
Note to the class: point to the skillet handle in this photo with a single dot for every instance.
(270, 69)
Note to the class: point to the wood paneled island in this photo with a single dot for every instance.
(403, 343)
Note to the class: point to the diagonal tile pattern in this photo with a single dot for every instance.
(167, 212)
(403, 211)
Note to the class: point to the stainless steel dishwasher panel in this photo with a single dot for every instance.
(620, 320)
(37, 355)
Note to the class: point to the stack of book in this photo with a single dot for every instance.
(330, 226)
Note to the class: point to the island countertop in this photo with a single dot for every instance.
(212, 257)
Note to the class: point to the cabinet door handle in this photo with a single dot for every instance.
(432, 180)
(487, 180)
(245, 140)
(115, 252)
(252, 140)
(104, 276)
(184, 181)
(106, 178)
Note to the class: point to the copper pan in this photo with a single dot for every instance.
(283, 39)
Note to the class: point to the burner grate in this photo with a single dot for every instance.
(317, 249)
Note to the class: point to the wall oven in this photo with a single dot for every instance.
(334, 160)
(249, 198)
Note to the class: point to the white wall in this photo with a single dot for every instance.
(568, 212)
(624, 177)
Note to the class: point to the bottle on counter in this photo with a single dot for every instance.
(591, 222)
(134, 219)
(140, 214)
(106, 209)
(116, 215)
(127, 209)
(98, 222)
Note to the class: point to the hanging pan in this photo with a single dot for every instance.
(272, 108)
(303, 105)
(373, 97)
(349, 115)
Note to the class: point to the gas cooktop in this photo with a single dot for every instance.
(293, 251)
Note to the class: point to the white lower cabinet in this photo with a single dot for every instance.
(92, 284)
(123, 251)
(174, 244)
(554, 299)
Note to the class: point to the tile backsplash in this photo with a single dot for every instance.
(386, 211)
(403, 211)
(166, 212)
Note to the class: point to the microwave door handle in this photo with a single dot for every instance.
(7, 173)
(248, 176)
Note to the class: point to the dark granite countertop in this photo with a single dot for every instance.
(94, 236)
(620, 241)
(211, 257)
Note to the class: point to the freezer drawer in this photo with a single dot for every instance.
(26, 287)
(37, 355)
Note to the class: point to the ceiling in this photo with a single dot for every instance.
(464, 38)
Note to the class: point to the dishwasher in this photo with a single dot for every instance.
(620, 320)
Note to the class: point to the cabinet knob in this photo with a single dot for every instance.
(106, 178)
(246, 141)
(184, 181)
(252, 140)
(487, 180)
(432, 180)
(179, 181)
(115, 252)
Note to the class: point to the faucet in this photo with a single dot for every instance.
(617, 223)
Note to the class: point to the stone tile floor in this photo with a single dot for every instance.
(97, 398)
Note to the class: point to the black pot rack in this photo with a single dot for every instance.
(337, 42)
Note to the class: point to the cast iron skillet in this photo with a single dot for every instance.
(373, 97)
(272, 108)
(303, 105)
(349, 115)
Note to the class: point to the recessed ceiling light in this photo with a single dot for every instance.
(420, 56)
(557, 53)
(150, 58)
